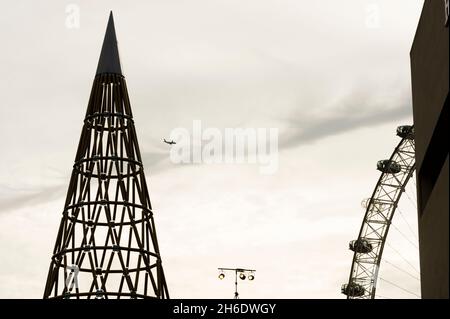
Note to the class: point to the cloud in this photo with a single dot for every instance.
(356, 110)
(26, 197)
(258, 63)
(21, 196)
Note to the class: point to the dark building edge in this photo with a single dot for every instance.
(430, 88)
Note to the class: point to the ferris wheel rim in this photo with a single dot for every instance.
(378, 257)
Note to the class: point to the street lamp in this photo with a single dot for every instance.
(243, 274)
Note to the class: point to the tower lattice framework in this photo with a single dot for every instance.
(106, 245)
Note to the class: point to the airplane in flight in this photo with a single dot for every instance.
(170, 143)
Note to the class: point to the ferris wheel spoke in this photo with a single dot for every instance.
(401, 269)
(406, 260)
(409, 226)
(404, 236)
(368, 248)
(399, 287)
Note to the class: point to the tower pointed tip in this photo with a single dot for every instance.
(109, 61)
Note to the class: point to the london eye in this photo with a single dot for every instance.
(381, 207)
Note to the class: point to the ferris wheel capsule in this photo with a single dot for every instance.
(389, 167)
(362, 246)
(353, 290)
(406, 131)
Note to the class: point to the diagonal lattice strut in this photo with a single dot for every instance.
(106, 245)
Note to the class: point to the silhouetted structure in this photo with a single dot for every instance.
(380, 210)
(430, 87)
(243, 274)
(106, 245)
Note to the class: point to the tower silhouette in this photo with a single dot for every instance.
(106, 245)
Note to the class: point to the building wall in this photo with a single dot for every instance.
(430, 88)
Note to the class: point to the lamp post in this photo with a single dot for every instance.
(243, 274)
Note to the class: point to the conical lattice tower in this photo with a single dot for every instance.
(106, 245)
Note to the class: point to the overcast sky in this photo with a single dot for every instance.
(332, 76)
